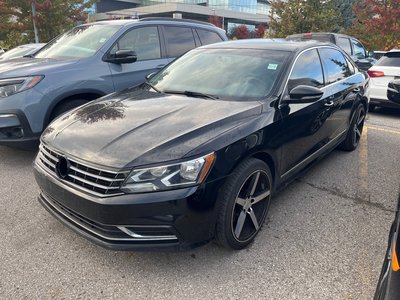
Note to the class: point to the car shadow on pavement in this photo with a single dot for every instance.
(11, 157)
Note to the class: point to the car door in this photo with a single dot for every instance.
(340, 91)
(178, 40)
(145, 41)
(303, 124)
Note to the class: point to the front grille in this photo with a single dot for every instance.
(95, 181)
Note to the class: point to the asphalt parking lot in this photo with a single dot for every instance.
(325, 238)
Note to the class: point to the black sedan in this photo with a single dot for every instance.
(197, 152)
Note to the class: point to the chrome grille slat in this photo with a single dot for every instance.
(93, 184)
(96, 176)
(42, 157)
(95, 181)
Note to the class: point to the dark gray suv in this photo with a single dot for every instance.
(364, 59)
(86, 63)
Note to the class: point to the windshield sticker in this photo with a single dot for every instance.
(272, 66)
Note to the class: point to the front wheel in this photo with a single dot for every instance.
(243, 204)
(355, 130)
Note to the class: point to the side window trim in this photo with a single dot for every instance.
(162, 51)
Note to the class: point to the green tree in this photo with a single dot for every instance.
(297, 16)
(52, 18)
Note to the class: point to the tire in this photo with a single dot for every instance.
(66, 106)
(371, 107)
(243, 204)
(354, 132)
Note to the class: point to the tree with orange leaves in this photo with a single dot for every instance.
(377, 23)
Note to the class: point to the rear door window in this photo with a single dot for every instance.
(344, 43)
(307, 71)
(178, 40)
(208, 37)
(335, 65)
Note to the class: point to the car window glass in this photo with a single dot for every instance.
(208, 37)
(344, 43)
(351, 66)
(307, 71)
(359, 50)
(390, 59)
(335, 65)
(179, 40)
(144, 41)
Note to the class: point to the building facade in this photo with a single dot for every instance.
(230, 12)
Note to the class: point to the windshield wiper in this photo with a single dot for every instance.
(152, 86)
(192, 94)
(28, 55)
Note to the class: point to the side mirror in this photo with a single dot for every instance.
(371, 53)
(122, 57)
(393, 91)
(304, 94)
(148, 76)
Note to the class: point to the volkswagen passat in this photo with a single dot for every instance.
(197, 151)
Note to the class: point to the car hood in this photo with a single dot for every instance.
(142, 127)
(25, 66)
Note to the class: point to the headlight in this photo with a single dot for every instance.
(12, 86)
(168, 177)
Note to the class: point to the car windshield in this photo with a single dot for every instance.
(235, 74)
(80, 42)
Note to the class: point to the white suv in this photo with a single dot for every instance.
(386, 69)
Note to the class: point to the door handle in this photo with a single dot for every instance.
(328, 103)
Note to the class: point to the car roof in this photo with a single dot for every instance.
(270, 44)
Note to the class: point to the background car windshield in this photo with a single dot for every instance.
(16, 52)
(82, 41)
(226, 73)
(390, 59)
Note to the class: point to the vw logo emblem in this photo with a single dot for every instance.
(62, 167)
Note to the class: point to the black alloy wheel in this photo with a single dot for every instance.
(244, 204)
(355, 130)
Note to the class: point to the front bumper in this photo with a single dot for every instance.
(169, 220)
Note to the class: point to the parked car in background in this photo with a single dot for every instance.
(364, 59)
(22, 50)
(196, 152)
(386, 69)
(388, 287)
(2, 50)
(378, 54)
(88, 62)
(393, 92)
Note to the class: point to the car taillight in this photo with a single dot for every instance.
(395, 262)
(307, 34)
(374, 73)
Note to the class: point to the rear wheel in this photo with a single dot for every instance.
(66, 106)
(243, 204)
(355, 130)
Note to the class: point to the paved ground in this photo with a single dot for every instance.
(325, 238)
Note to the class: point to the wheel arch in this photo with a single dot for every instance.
(86, 94)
